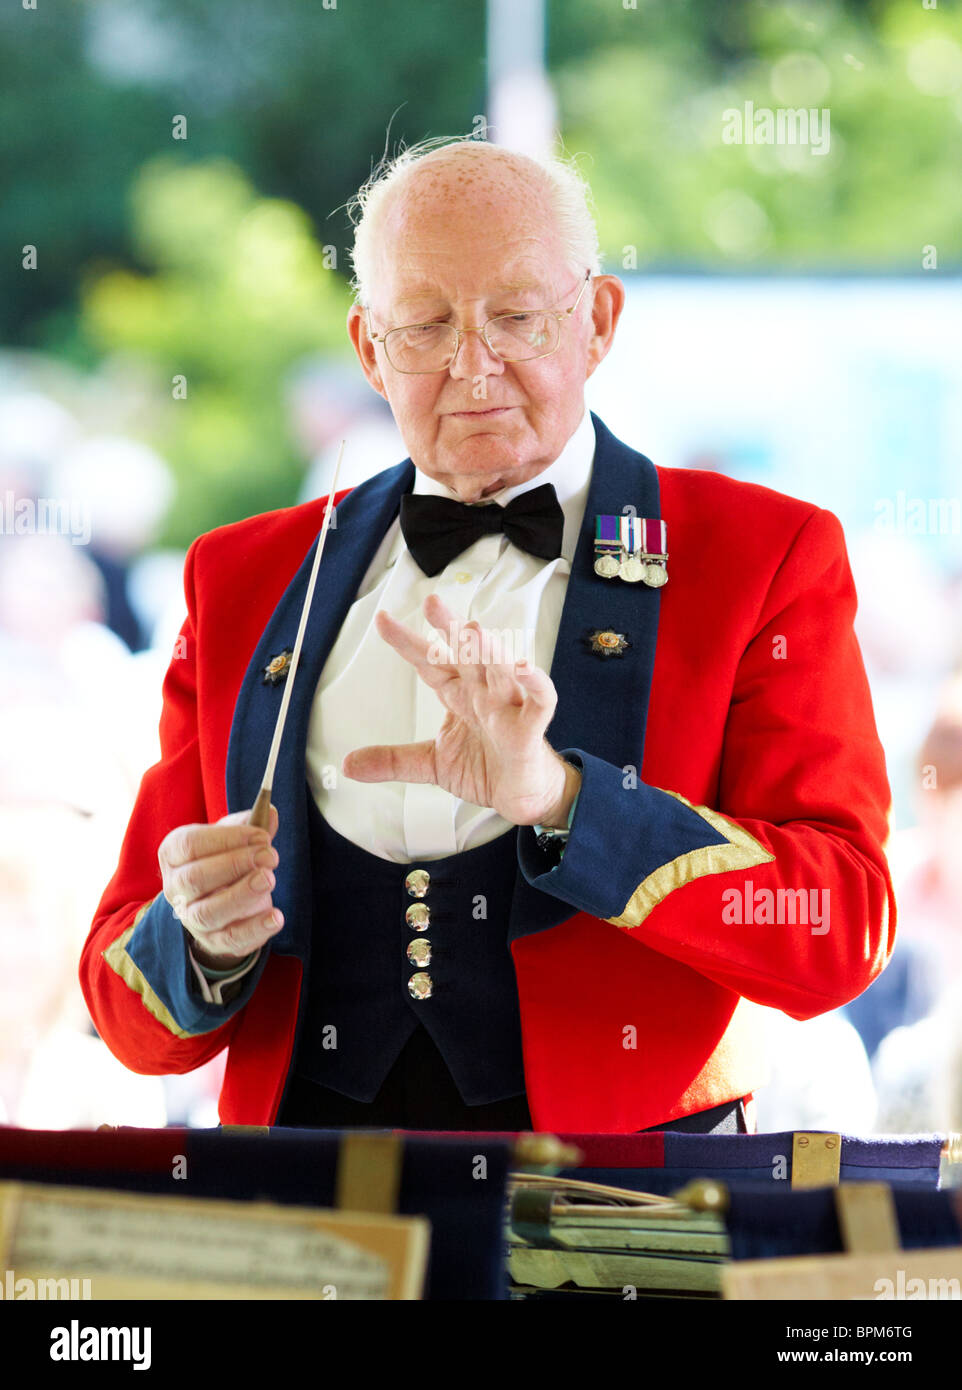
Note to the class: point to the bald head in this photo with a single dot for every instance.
(455, 183)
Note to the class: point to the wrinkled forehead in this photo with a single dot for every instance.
(482, 225)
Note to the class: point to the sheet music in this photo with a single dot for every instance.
(157, 1240)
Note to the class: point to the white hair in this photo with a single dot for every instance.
(568, 194)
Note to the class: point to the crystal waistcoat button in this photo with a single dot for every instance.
(419, 986)
(417, 883)
(418, 916)
(419, 951)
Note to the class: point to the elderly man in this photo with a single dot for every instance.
(580, 763)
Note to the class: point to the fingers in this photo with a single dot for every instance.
(502, 684)
(541, 697)
(236, 940)
(247, 897)
(240, 904)
(473, 651)
(430, 657)
(466, 669)
(402, 762)
(190, 842)
(218, 880)
(201, 877)
(462, 649)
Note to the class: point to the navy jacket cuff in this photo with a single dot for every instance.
(158, 949)
(623, 830)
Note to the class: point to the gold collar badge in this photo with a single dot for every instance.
(605, 642)
(277, 668)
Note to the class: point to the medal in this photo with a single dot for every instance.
(655, 575)
(607, 546)
(632, 567)
(632, 548)
(654, 546)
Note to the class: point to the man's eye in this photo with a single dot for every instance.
(419, 331)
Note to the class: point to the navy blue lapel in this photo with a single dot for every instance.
(362, 519)
(602, 701)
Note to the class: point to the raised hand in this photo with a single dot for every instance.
(491, 749)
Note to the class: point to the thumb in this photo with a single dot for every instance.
(385, 762)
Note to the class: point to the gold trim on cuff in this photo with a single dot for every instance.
(133, 977)
(742, 851)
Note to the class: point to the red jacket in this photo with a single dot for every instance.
(739, 859)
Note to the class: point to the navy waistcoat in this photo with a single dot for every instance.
(367, 944)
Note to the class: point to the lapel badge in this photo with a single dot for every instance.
(605, 642)
(277, 668)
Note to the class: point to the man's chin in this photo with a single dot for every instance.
(477, 464)
(481, 444)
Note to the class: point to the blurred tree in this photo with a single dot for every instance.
(298, 94)
(234, 262)
(241, 290)
(644, 90)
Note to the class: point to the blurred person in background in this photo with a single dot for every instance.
(918, 1065)
(125, 489)
(910, 635)
(58, 781)
(927, 872)
(73, 712)
(821, 1077)
(34, 432)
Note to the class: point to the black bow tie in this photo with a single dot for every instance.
(436, 529)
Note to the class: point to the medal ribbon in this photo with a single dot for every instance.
(654, 529)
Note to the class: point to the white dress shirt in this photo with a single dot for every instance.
(368, 694)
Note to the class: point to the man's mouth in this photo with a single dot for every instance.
(477, 414)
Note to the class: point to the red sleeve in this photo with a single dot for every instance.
(803, 773)
(128, 1013)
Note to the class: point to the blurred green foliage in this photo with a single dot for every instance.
(223, 258)
(645, 105)
(240, 291)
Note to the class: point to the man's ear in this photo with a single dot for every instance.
(361, 342)
(607, 303)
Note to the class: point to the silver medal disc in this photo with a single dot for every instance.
(655, 575)
(607, 566)
(632, 569)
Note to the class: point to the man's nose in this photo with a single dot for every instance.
(474, 357)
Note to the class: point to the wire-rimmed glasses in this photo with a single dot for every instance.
(523, 336)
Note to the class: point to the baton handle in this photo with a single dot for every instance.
(261, 814)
